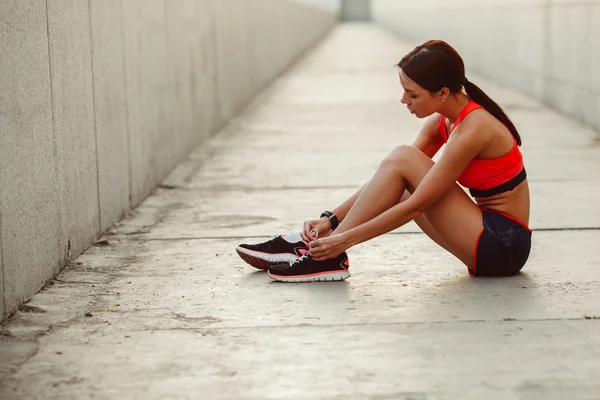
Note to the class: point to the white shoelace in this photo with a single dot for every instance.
(300, 259)
(305, 255)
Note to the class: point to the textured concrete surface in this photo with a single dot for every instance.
(230, 56)
(1, 274)
(191, 65)
(74, 129)
(100, 100)
(164, 308)
(148, 94)
(28, 188)
(110, 105)
(550, 50)
(258, 41)
(355, 10)
(234, 87)
(331, 6)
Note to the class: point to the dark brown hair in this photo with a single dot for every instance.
(435, 65)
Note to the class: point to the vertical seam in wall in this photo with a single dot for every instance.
(54, 147)
(169, 114)
(588, 13)
(546, 67)
(127, 131)
(218, 109)
(3, 311)
(95, 119)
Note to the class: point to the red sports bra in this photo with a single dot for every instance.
(488, 177)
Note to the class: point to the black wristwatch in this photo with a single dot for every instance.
(332, 218)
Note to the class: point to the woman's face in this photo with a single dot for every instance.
(418, 100)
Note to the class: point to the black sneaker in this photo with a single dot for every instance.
(282, 249)
(305, 269)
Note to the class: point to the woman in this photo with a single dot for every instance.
(488, 233)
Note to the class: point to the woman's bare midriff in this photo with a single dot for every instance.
(514, 203)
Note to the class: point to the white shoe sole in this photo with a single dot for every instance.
(324, 277)
(264, 260)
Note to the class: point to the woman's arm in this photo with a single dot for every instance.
(342, 210)
(461, 149)
(429, 140)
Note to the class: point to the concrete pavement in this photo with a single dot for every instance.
(162, 307)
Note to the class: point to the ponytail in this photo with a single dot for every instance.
(479, 97)
(435, 65)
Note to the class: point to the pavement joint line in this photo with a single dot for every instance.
(359, 324)
(219, 188)
(143, 239)
(256, 189)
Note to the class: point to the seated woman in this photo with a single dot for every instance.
(488, 233)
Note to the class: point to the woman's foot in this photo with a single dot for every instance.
(305, 269)
(282, 249)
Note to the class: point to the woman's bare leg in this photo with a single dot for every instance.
(426, 226)
(454, 221)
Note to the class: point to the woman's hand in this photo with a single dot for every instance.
(322, 226)
(328, 247)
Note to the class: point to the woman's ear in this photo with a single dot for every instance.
(443, 94)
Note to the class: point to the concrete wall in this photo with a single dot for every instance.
(1, 274)
(549, 49)
(29, 185)
(101, 99)
(330, 6)
(355, 10)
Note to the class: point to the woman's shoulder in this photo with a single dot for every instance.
(478, 116)
(479, 120)
(481, 127)
(431, 125)
(433, 119)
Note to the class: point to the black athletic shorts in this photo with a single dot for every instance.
(503, 245)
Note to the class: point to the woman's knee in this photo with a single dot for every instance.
(402, 153)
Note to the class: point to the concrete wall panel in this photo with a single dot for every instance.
(569, 57)
(28, 197)
(593, 47)
(332, 7)
(276, 37)
(191, 71)
(299, 28)
(593, 51)
(233, 55)
(266, 40)
(2, 309)
(147, 93)
(73, 113)
(110, 106)
(103, 98)
(355, 10)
